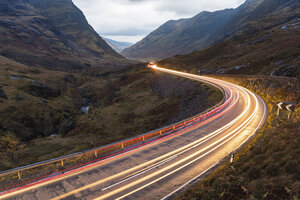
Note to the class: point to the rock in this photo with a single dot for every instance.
(66, 126)
(294, 25)
(221, 70)
(2, 94)
(85, 109)
(290, 71)
(280, 63)
(85, 105)
(70, 79)
(20, 97)
(261, 39)
(43, 102)
(38, 89)
(239, 67)
(15, 78)
(85, 102)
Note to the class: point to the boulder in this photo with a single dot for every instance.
(41, 90)
(2, 93)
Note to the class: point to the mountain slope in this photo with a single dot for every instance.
(34, 32)
(54, 113)
(207, 28)
(274, 51)
(116, 45)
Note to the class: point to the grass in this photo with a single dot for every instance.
(124, 103)
(262, 52)
(268, 166)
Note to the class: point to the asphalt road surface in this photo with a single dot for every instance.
(159, 169)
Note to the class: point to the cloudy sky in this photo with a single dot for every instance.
(131, 20)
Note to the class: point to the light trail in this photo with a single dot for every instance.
(205, 138)
(180, 150)
(171, 162)
(95, 165)
(199, 175)
(139, 173)
(230, 135)
(200, 141)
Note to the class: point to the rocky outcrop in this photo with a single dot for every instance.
(2, 93)
(41, 90)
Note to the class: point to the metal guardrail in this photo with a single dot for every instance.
(121, 145)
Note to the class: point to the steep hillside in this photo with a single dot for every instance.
(207, 28)
(274, 51)
(116, 45)
(50, 113)
(35, 32)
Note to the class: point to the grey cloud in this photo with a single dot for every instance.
(191, 7)
(140, 17)
(128, 31)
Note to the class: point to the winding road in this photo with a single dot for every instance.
(161, 168)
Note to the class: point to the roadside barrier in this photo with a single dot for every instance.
(45, 169)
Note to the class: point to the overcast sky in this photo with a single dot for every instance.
(131, 20)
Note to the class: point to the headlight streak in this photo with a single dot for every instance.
(80, 170)
(183, 149)
(180, 150)
(159, 161)
(196, 177)
(177, 169)
(216, 132)
(66, 175)
(231, 134)
(139, 173)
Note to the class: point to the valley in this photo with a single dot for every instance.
(65, 89)
(43, 110)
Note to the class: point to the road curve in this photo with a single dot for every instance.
(160, 168)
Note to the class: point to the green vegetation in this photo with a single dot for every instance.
(42, 110)
(268, 166)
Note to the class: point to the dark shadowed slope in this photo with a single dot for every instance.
(53, 34)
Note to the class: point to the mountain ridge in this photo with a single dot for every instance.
(208, 28)
(34, 32)
(117, 45)
(272, 52)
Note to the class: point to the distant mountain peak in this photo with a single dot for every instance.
(117, 45)
(207, 28)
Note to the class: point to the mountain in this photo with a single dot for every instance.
(116, 45)
(54, 34)
(274, 51)
(184, 36)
